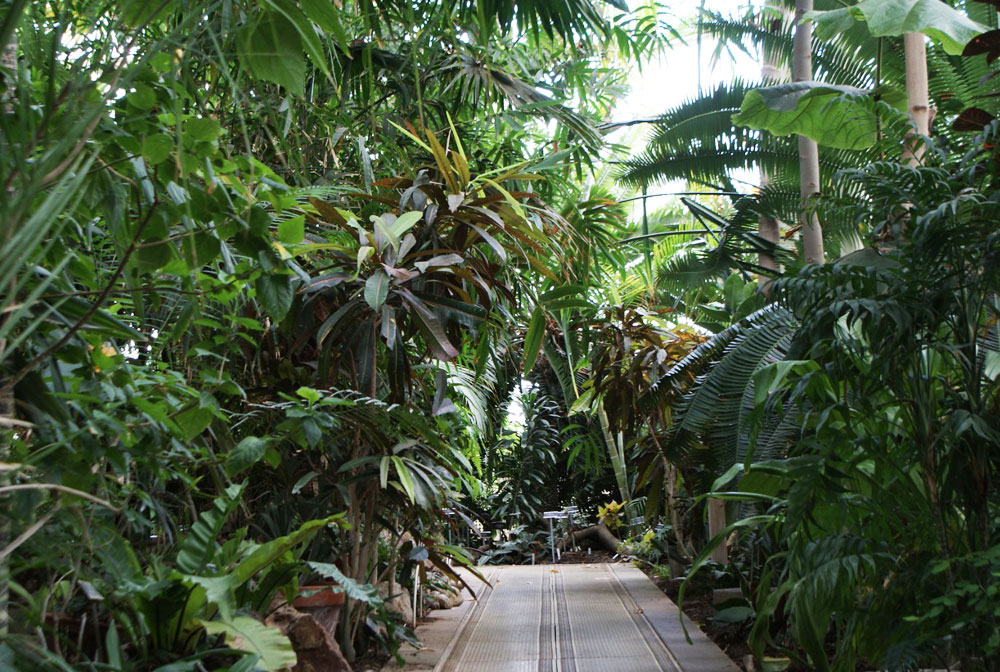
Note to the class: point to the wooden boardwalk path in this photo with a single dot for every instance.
(571, 618)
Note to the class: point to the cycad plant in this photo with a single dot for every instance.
(195, 290)
(880, 485)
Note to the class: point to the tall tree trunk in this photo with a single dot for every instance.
(916, 90)
(8, 71)
(812, 233)
(769, 74)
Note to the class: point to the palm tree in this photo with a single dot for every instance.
(809, 177)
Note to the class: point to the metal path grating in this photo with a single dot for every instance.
(503, 631)
(565, 618)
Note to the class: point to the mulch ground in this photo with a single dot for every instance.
(730, 637)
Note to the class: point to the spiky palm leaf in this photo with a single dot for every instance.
(714, 415)
(697, 141)
(850, 59)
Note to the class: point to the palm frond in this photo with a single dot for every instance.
(846, 60)
(721, 373)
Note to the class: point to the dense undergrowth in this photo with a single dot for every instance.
(313, 291)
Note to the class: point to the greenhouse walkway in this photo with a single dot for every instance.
(568, 618)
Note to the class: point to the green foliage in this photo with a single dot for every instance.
(890, 412)
(272, 649)
(720, 407)
(949, 26)
(829, 114)
(205, 280)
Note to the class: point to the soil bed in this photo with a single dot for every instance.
(730, 637)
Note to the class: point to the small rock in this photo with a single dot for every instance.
(720, 595)
(315, 648)
(398, 602)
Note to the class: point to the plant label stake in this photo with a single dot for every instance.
(570, 510)
(550, 516)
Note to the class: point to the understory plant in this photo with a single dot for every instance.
(878, 499)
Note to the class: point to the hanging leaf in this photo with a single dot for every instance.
(832, 115)
(377, 289)
(302, 25)
(533, 339)
(988, 43)
(972, 119)
(891, 18)
(405, 478)
(273, 52)
(323, 14)
(304, 481)
(430, 327)
(247, 453)
(275, 293)
(491, 241)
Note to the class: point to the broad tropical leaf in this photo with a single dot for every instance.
(273, 649)
(886, 18)
(832, 115)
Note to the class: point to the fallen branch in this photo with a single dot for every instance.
(24, 536)
(598, 535)
(60, 488)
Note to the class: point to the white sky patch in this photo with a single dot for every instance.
(673, 79)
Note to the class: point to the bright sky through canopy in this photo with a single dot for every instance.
(669, 81)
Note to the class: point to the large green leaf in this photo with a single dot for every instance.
(219, 590)
(292, 231)
(310, 40)
(273, 52)
(273, 649)
(136, 13)
(364, 592)
(886, 18)
(275, 293)
(194, 421)
(245, 454)
(199, 545)
(267, 553)
(377, 289)
(323, 13)
(832, 115)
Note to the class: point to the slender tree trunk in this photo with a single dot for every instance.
(812, 233)
(8, 71)
(916, 90)
(770, 74)
(617, 455)
(6, 411)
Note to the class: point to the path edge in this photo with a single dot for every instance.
(663, 615)
(447, 651)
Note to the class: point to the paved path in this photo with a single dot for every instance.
(575, 618)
